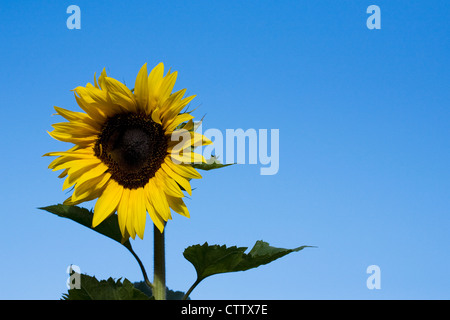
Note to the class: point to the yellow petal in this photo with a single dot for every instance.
(83, 190)
(120, 94)
(131, 213)
(101, 80)
(167, 86)
(68, 156)
(154, 83)
(182, 139)
(171, 187)
(171, 103)
(178, 206)
(67, 183)
(156, 116)
(169, 127)
(77, 116)
(179, 140)
(95, 80)
(122, 210)
(88, 174)
(63, 174)
(140, 213)
(74, 152)
(183, 182)
(177, 106)
(83, 141)
(156, 218)
(74, 165)
(87, 197)
(189, 125)
(199, 140)
(141, 88)
(92, 102)
(187, 157)
(107, 203)
(158, 199)
(76, 128)
(183, 170)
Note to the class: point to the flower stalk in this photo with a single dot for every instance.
(159, 280)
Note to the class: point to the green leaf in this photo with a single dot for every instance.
(262, 253)
(93, 289)
(211, 163)
(209, 260)
(109, 227)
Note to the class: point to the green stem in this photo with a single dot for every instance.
(159, 281)
(141, 265)
(191, 288)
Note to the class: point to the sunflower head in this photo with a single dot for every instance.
(132, 150)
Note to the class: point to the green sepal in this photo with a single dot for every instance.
(211, 163)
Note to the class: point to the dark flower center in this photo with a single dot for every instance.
(133, 147)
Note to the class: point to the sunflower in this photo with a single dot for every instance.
(127, 152)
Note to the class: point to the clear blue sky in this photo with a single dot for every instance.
(364, 141)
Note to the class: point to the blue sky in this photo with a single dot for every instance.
(363, 117)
